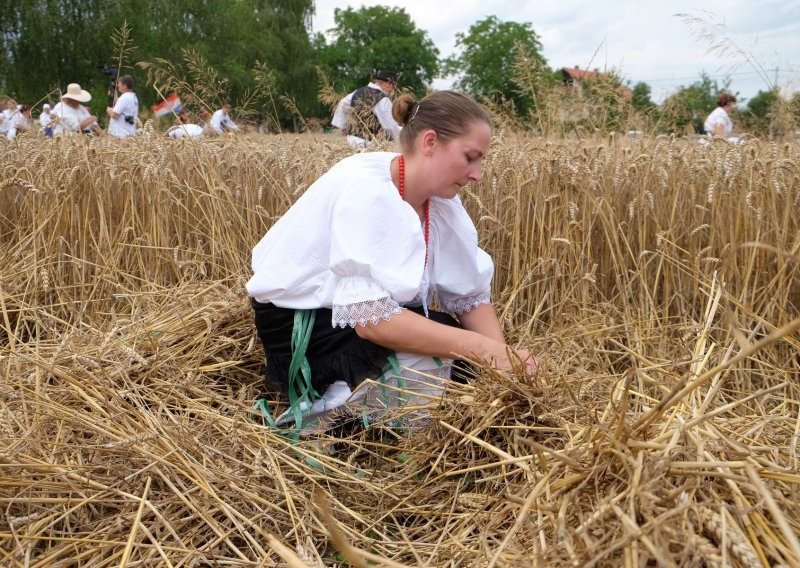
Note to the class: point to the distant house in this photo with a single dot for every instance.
(577, 105)
(575, 77)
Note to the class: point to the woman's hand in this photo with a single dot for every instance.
(526, 357)
(509, 359)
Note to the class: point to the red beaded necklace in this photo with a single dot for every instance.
(401, 164)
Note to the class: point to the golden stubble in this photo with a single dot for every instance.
(655, 278)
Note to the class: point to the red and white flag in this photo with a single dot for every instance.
(169, 105)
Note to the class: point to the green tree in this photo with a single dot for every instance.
(689, 106)
(770, 115)
(762, 110)
(485, 65)
(794, 109)
(57, 39)
(372, 38)
(763, 103)
(66, 40)
(640, 98)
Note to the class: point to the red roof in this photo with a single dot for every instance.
(576, 73)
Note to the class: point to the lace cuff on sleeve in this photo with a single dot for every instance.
(466, 303)
(361, 313)
(360, 300)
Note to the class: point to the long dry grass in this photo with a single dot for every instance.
(657, 279)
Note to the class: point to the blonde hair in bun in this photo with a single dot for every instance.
(403, 108)
(448, 113)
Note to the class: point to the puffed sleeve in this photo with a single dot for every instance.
(342, 110)
(377, 254)
(461, 270)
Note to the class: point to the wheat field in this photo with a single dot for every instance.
(657, 280)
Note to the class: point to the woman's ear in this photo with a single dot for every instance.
(429, 140)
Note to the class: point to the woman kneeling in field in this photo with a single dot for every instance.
(342, 282)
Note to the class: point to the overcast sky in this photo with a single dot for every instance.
(643, 40)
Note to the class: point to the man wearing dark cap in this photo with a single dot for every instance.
(366, 114)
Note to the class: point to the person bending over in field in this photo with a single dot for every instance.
(221, 121)
(343, 281)
(20, 123)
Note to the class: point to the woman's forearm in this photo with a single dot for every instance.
(483, 319)
(412, 333)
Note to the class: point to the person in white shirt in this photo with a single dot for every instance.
(355, 263)
(221, 121)
(7, 116)
(93, 127)
(719, 122)
(70, 117)
(125, 111)
(45, 119)
(366, 113)
(20, 122)
(185, 129)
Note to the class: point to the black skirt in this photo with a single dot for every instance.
(333, 353)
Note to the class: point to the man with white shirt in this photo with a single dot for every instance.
(366, 114)
(125, 111)
(221, 121)
(70, 117)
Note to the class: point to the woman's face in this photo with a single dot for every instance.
(459, 161)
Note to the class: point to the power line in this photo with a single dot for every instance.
(717, 76)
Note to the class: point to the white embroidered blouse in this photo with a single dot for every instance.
(350, 243)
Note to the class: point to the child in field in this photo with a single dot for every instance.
(45, 119)
(343, 281)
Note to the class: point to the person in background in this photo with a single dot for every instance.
(356, 262)
(719, 122)
(185, 129)
(93, 127)
(7, 116)
(45, 119)
(20, 122)
(366, 113)
(125, 111)
(69, 117)
(221, 121)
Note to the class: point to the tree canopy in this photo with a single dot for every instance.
(640, 97)
(69, 40)
(485, 65)
(372, 38)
